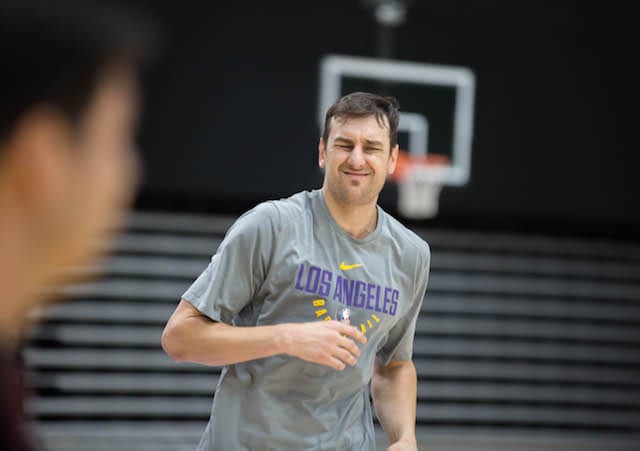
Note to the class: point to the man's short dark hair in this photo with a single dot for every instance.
(53, 52)
(363, 104)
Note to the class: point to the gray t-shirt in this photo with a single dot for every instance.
(289, 261)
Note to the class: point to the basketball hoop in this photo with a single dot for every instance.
(420, 181)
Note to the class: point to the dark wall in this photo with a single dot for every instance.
(229, 110)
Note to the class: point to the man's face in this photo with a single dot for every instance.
(357, 159)
(101, 170)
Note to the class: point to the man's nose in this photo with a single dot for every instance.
(356, 157)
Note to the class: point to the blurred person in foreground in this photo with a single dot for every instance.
(267, 304)
(68, 167)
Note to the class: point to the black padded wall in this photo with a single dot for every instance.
(230, 106)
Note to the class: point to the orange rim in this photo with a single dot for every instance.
(405, 161)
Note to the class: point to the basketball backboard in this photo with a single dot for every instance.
(436, 104)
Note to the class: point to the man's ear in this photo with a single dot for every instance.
(321, 153)
(38, 160)
(393, 158)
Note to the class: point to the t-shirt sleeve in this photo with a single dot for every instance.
(238, 269)
(399, 344)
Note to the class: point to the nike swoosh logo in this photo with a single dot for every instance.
(344, 267)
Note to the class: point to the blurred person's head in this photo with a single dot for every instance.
(68, 165)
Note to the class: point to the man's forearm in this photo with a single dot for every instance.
(394, 393)
(191, 337)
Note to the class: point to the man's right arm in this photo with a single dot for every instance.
(189, 336)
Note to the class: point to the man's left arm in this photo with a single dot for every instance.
(394, 394)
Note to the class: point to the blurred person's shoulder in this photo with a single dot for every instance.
(14, 430)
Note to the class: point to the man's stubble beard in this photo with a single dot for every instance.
(347, 196)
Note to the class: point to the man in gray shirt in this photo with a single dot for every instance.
(268, 305)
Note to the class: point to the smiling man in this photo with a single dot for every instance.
(267, 304)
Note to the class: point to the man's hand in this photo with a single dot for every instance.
(327, 343)
(403, 445)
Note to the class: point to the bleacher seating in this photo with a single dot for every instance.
(524, 343)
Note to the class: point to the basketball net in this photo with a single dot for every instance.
(420, 181)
